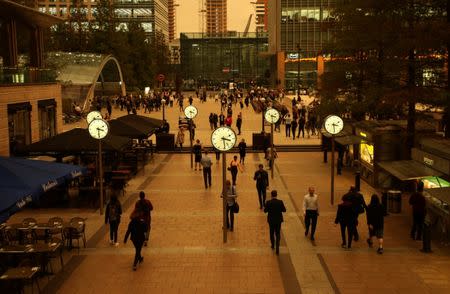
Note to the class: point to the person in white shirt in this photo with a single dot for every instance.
(310, 211)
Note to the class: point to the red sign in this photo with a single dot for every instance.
(161, 77)
(226, 69)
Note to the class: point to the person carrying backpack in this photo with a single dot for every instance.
(112, 216)
(144, 206)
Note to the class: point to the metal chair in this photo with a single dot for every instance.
(57, 224)
(77, 231)
(28, 235)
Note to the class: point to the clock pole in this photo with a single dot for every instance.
(224, 195)
(332, 170)
(272, 158)
(190, 140)
(100, 168)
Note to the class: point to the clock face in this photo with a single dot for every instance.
(190, 111)
(98, 129)
(223, 138)
(93, 115)
(272, 115)
(333, 124)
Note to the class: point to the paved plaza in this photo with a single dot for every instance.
(186, 253)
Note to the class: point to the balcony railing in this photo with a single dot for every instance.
(26, 75)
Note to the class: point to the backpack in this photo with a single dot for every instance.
(113, 212)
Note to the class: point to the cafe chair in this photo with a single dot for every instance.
(30, 263)
(28, 235)
(77, 231)
(56, 224)
(56, 254)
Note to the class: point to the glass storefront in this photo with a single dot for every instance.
(434, 182)
(366, 152)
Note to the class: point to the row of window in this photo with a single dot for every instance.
(19, 123)
(304, 14)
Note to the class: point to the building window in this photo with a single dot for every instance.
(147, 26)
(19, 126)
(47, 118)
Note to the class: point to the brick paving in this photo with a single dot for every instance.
(186, 253)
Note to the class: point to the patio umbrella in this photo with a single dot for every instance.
(149, 123)
(75, 141)
(23, 181)
(124, 129)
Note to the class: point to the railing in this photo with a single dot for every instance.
(26, 75)
(238, 35)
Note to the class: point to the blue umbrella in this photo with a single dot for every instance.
(23, 181)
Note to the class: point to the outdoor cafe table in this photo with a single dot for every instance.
(20, 275)
(23, 230)
(40, 249)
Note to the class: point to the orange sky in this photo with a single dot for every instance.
(238, 13)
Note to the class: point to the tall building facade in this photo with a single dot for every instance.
(172, 19)
(261, 13)
(216, 17)
(299, 29)
(153, 15)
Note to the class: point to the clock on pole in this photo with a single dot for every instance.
(190, 111)
(98, 129)
(93, 115)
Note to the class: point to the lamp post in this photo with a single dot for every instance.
(163, 102)
(298, 72)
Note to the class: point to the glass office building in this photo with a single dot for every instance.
(232, 56)
(301, 26)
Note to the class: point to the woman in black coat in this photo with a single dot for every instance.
(137, 229)
(375, 221)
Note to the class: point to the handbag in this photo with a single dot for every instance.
(235, 207)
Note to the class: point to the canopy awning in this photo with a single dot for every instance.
(10, 9)
(405, 170)
(149, 123)
(348, 140)
(75, 141)
(136, 131)
(25, 180)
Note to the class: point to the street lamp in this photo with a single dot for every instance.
(298, 72)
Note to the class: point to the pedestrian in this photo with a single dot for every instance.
(294, 127)
(242, 146)
(180, 138)
(231, 202)
(310, 211)
(375, 221)
(346, 218)
(271, 156)
(229, 120)
(197, 150)
(418, 203)
(358, 207)
(239, 123)
(274, 209)
(191, 100)
(234, 167)
(221, 119)
(109, 107)
(206, 164)
(288, 121)
(262, 184)
(301, 126)
(136, 228)
(215, 120)
(112, 216)
(145, 207)
(211, 121)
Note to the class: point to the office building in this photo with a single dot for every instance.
(298, 30)
(172, 20)
(211, 60)
(261, 13)
(153, 15)
(216, 17)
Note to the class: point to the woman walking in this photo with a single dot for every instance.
(375, 221)
(180, 138)
(231, 202)
(234, 167)
(242, 151)
(112, 216)
(136, 228)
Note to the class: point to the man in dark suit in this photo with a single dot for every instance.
(262, 182)
(275, 209)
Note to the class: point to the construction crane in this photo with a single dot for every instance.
(201, 12)
(247, 27)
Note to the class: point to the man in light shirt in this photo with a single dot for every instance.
(206, 163)
(310, 211)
